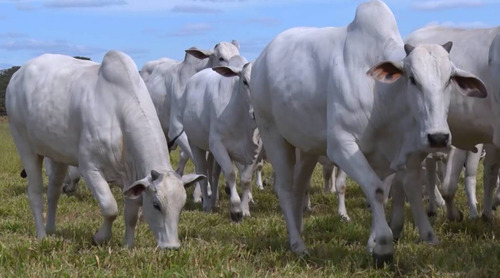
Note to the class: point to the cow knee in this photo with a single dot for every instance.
(109, 209)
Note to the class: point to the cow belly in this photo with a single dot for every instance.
(305, 130)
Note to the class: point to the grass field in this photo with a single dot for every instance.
(212, 246)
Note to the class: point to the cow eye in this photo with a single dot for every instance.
(245, 82)
(157, 206)
(412, 80)
(221, 59)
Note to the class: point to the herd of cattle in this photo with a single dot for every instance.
(358, 96)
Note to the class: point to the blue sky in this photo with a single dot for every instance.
(150, 29)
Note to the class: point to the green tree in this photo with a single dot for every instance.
(5, 76)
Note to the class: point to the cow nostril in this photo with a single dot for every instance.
(438, 140)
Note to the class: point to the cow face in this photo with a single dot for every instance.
(163, 197)
(223, 52)
(430, 77)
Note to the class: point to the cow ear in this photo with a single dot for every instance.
(235, 43)
(408, 48)
(198, 53)
(190, 179)
(386, 72)
(227, 71)
(468, 84)
(447, 46)
(135, 190)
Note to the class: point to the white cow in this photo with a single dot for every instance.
(218, 118)
(314, 89)
(471, 120)
(166, 82)
(149, 67)
(101, 119)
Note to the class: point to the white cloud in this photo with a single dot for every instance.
(194, 9)
(194, 29)
(53, 46)
(462, 24)
(12, 35)
(446, 4)
(83, 3)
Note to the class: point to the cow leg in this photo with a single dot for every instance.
(200, 164)
(329, 178)
(490, 176)
(471, 165)
(258, 174)
(441, 172)
(71, 181)
(214, 184)
(32, 164)
(102, 192)
(302, 181)
(222, 157)
(54, 188)
(183, 159)
(131, 215)
(413, 189)
(398, 201)
(349, 158)
(456, 160)
(430, 182)
(340, 185)
(246, 174)
(282, 157)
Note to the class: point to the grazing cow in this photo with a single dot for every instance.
(101, 119)
(218, 118)
(166, 85)
(315, 89)
(471, 120)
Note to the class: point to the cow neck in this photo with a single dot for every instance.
(238, 105)
(143, 139)
(237, 117)
(190, 66)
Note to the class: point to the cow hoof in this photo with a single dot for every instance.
(381, 260)
(68, 191)
(345, 218)
(236, 216)
(457, 217)
(246, 213)
(97, 240)
(228, 190)
(431, 213)
(494, 207)
(487, 218)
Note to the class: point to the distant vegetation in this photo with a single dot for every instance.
(5, 75)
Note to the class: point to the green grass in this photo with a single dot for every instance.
(212, 246)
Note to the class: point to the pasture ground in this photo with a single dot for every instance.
(212, 246)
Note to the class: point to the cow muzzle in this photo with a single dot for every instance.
(438, 140)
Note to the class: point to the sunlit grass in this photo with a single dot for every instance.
(213, 246)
